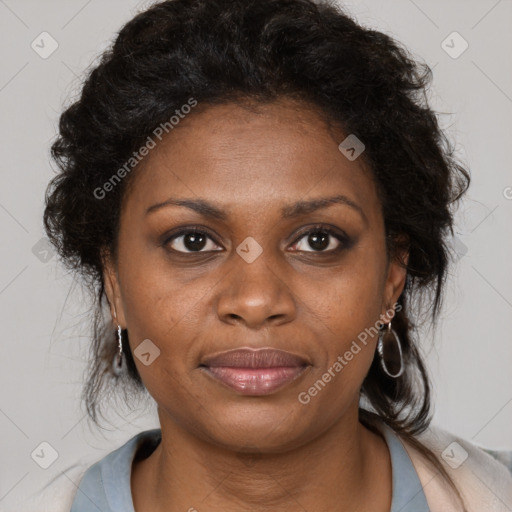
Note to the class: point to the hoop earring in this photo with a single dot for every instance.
(117, 364)
(391, 354)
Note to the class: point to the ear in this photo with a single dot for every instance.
(396, 277)
(113, 290)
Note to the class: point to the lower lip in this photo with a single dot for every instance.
(255, 381)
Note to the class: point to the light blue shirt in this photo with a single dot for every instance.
(105, 486)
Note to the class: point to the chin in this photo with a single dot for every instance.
(269, 428)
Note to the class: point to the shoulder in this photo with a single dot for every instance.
(482, 476)
(77, 484)
(57, 495)
(106, 484)
(503, 456)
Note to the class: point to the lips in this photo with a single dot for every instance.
(254, 358)
(254, 371)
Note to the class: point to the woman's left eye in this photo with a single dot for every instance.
(320, 239)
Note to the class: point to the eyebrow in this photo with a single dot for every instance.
(294, 210)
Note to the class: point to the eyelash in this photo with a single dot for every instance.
(344, 240)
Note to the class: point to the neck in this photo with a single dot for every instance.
(340, 470)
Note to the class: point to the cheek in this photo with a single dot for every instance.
(350, 299)
(157, 296)
(161, 308)
(346, 308)
(163, 311)
(348, 336)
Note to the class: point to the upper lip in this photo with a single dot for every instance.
(254, 358)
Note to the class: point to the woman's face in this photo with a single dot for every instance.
(257, 278)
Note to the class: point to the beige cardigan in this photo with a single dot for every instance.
(484, 482)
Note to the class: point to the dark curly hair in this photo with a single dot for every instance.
(220, 51)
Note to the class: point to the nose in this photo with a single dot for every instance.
(255, 294)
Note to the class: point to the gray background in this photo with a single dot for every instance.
(44, 314)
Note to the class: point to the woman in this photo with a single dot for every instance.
(260, 193)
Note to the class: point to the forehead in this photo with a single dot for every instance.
(251, 155)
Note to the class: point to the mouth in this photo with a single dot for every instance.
(254, 371)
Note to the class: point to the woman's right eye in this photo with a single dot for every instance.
(189, 241)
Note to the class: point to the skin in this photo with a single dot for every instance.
(220, 450)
